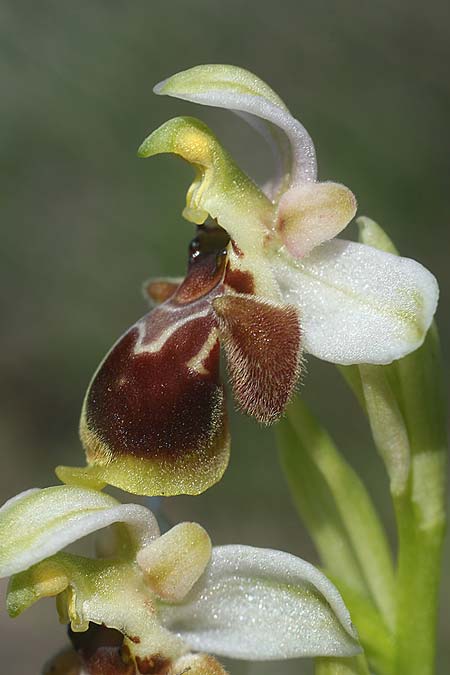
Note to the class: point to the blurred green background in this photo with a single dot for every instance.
(84, 222)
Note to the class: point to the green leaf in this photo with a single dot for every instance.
(410, 395)
(405, 403)
(316, 505)
(336, 506)
(375, 637)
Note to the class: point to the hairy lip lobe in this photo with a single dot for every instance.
(158, 396)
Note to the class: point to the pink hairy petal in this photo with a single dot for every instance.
(262, 345)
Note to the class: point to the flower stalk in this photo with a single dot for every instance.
(405, 405)
(418, 498)
(342, 519)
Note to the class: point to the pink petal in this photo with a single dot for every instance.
(311, 213)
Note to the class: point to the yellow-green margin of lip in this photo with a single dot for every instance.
(152, 477)
(190, 474)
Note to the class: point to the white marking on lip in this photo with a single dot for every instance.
(197, 361)
(158, 343)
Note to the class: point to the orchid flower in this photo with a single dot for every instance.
(148, 602)
(267, 281)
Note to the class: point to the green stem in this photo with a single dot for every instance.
(405, 406)
(317, 508)
(377, 639)
(351, 504)
(418, 575)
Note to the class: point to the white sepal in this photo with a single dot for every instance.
(38, 523)
(238, 90)
(358, 304)
(260, 604)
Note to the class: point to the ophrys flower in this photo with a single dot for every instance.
(267, 281)
(162, 597)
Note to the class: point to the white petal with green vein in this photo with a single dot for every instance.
(38, 523)
(234, 88)
(260, 604)
(358, 304)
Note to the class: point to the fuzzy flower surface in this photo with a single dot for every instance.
(151, 603)
(267, 281)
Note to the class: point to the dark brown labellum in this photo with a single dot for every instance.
(158, 396)
(100, 651)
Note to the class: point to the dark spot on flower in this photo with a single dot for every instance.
(65, 663)
(210, 238)
(240, 281)
(100, 651)
(207, 258)
(149, 403)
(236, 249)
(153, 665)
(205, 273)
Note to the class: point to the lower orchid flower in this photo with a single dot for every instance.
(267, 281)
(147, 602)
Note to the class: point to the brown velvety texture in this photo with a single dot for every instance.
(262, 345)
(100, 651)
(158, 392)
